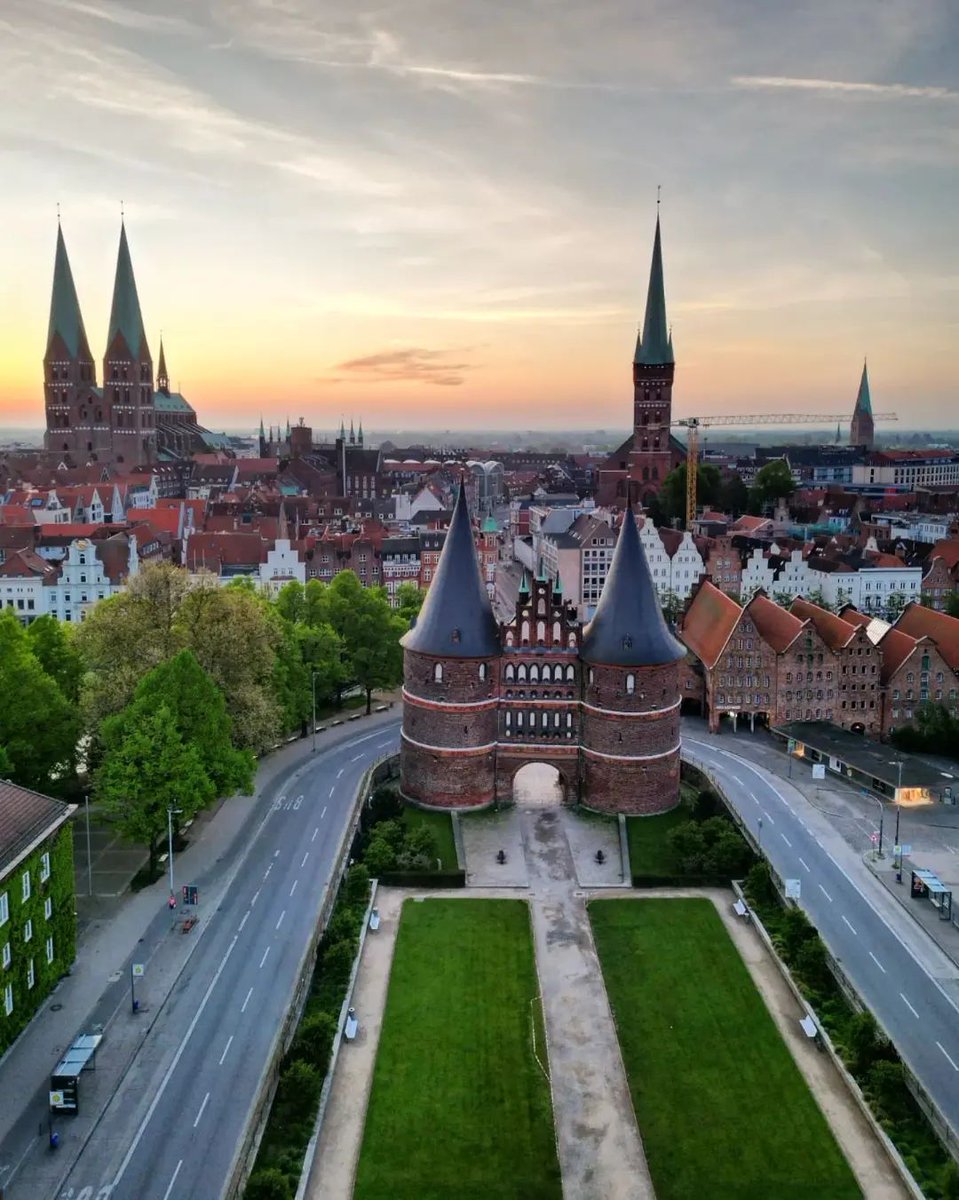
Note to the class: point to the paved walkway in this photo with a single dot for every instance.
(600, 1152)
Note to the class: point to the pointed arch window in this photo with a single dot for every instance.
(521, 672)
(438, 673)
(510, 672)
(524, 633)
(630, 684)
(540, 633)
(482, 672)
(570, 673)
(557, 633)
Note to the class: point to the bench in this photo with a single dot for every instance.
(374, 920)
(809, 1027)
(352, 1026)
(740, 908)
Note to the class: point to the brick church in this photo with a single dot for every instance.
(482, 699)
(635, 471)
(133, 419)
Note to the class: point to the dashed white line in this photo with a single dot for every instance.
(226, 1049)
(340, 772)
(357, 757)
(166, 1194)
(293, 888)
(268, 870)
(247, 1000)
(323, 813)
(786, 840)
(200, 1111)
(305, 857)
(280, 921)
(276, 854)
(805, 865)
(825, 893)
(332, 790)
(265, 953)
(908, 1005)
(315, 832)
(849, 923)
(949, 1059)
(246, 917)
(752, 797)
(767, 817)
(738, 780)
(877, 962)
(255, 896)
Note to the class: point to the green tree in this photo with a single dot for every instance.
(894, 605)
(356, 887)
(268, 1183)
(862, 1041)
(934, 729)
(794, 931)
(145, 771)
(812, 964)
(409, 601)
(734, 495)
(314, 1041)
(672, 495)
(379, 857)
(672, 607)
(290, 601)
(6, 767)
(55, 647)
(773, 482)
(952, 604)
(887, 1084)
(370, 631)
(689, 846)
(38, 727)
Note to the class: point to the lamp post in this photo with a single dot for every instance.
(881, 815)
(313, 690)
(169, 827)
(897, 762)
(86, 807)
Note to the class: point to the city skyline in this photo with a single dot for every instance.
(425, 225)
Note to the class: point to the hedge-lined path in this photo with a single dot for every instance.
(866, 1157)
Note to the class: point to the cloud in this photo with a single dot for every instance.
(125, 17)
(887, 91)
(414, 365)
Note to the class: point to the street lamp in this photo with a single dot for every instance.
(897, 762)
(169, 827)
(313, 689)
(881, 814)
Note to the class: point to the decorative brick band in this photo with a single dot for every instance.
(447, 749)
(630, 757)
(646, 712)
(442, 705)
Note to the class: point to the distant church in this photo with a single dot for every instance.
(131, 420)
(861, 429)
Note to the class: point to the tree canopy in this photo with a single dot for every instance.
(370, 631)
(773, 482)
(672, 495)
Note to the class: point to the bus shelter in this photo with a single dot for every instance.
(926, 885)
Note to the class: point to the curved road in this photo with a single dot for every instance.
(910, 986)
(172, 1129)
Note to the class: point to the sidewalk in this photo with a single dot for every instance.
(138, 928)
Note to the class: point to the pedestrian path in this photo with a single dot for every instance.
(600, 1151)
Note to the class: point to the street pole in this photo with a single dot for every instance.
(86, 806)
(881, 815)
(313, 686)
(169, 826)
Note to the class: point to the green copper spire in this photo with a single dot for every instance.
(558, 586)
(262, 430)
(65, 317)
(125, 316)
(654, 347)
(863, 399)
(524, 584)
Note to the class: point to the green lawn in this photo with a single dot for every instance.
(649, 852)
(722, 1108)
(459, 1107)
(441, 823)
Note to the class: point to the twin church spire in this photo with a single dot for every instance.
(654, 345)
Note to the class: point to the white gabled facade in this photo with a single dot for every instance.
(83, 580)
(283, 565)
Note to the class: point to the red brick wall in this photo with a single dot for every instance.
(632, 788)
(439, 780)
(904, 695)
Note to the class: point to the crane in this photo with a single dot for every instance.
(693, 425)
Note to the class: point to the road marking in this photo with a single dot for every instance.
(247, 1000)
(166, 1194)
(226, 1049)
(786, 840)
(752, 797)
(949, 1059)
(265, 953)
(173, 1065)
(332, 790)
(877, 962)
(738, 780)
(323, 813)
(804, 864)
(200, 1112)
(255, 895)
(908, 1005)
(825, 893)
(280, 922)
(293, 888)
(315, 832)
(276, 854)
(246, 917)
(767, 817)
(357, 757)
(340, 772)
(268, 870)
(849, 923)
(305, 857)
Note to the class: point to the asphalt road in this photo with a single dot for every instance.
(172, 1130)
(901, 983)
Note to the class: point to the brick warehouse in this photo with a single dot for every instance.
(599, 702)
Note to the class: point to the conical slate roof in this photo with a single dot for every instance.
(456, 620)
(65, 316)
(863, 399)
(125, 316)
(655, 346)
(628, 629)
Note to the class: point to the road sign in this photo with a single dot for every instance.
(191, 893)
(137, 970)
(903, 850)
(56, 1099)
(874, 837)
(819, 770)
(793, 889)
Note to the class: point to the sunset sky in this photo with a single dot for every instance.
(440, 212)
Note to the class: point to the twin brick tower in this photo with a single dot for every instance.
(599, 702)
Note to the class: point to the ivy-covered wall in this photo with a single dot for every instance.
(61, 926)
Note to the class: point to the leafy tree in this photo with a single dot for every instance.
(316, 603)
(811, 963)
(952, 604)
(55, 647)
(356, 888)
(672, 495)
(773, 482)
(147, 769)
(268, 1183)
(894, 605)
(409, 601)
(314, 1040)
(370, 631)
(794, 931)
(887, 1083)
(862, 1041)
(759, 884)
(672, 607)
(934, 729)
(817, 597)
(380, 856)
(6, 767)
(419, 848)
(734, 495)
(38, 727)
(949, 1182)
(688, 844)
(290, 601)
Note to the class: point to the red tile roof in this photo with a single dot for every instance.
(919, 621)
(167, 519)
(947, 550)
(708, 622)
(833, 630)
(776, 626)
(23, 563)
(26, 816)
(895, 647)
(15, 514)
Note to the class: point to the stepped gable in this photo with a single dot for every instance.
(628, 629)
(456, 620)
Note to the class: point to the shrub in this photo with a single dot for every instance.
(759, 885)
(886, 1082)
(356, 888)
(706, 804)
(794, 931)
(314, 1040)
(862, 1042)
(269, 1184)
(338, 959)
(688, 844)
(812, 965)
(949, 1182)
(380, 855)
(299, 1087)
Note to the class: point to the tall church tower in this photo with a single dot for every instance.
(128, 370)
(653, 369)
(861, 432)
(74, 409)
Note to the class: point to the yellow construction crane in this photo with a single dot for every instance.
(692, 425)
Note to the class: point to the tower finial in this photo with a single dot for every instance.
(121, 212)
(58, 214)
(659, 188)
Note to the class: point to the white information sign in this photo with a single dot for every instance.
(819, 770)
(137, 970)
(793, 889)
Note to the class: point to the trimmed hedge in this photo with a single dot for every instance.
(424, 879)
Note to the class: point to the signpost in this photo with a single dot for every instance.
(819, 770)
(136, 972)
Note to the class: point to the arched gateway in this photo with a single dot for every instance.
(600, 702)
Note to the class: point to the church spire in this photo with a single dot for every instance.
(863, 399)
(456, 620)
(352, 433)
(654, 346)
(163, 379)
(125, 316)
(65, 317)
(359, 433)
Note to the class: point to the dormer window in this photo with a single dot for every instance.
(455, 637)
(627, 642)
